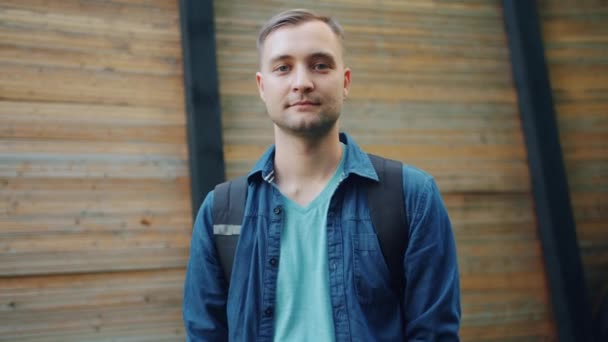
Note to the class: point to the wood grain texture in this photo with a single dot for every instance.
(432, 87)
(576, 48)
(95, 217)
(93, 169)
(139, 305)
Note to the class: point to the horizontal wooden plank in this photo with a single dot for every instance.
(91, 187)
(99, 167)
(123, 62)
(168, 47)
(590, 205)
(592, 231)
(535, 330)
(506, 281)
(15, 112)
(419, 10)
(571, 8)
(240, 45)
(151, 11)
(86, 21)
(588, 175)
(500, 260)
(157, 256)
(578, 77)
(124, 305)
(16, 149)
(24, 83)
(96, 242)
(49, 131)
(490, 307)
(491, 216)
(592, 139)
(583, 111)
(108, 205)
(93, 222)
(575, 95)
(233, 36)
(156, 330)
(575, 29)
(98, 36)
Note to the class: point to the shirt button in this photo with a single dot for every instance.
(268, 312)
(340, 314)
(277, 210)
(273, 261)
(333, 266)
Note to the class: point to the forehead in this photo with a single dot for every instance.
(301, 40)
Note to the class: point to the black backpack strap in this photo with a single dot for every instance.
(228, 212)
(386, 205)
(387, 210)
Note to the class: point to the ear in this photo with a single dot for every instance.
(346, 82)
(260, 82)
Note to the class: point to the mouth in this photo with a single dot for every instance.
(304, 104)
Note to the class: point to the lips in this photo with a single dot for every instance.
(304, 103)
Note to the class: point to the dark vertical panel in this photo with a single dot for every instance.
(202, 98)
(550, 187)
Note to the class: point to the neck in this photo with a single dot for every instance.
(302, 161)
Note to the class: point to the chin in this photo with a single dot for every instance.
(316, 128)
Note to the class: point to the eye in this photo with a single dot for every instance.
(282, 68)
(321, 66)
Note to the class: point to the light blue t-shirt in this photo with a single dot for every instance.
(303, 310)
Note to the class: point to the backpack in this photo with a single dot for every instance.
(386, 205)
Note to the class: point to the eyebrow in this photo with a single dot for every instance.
(323, 55)
(316, 55)
(279, 58)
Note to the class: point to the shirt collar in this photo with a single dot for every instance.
(355, 162)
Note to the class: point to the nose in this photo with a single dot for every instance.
(302, 81)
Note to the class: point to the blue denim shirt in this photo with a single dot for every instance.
(364, 306)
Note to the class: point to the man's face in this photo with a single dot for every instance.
(302, 78)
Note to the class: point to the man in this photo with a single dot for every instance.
(308, 265)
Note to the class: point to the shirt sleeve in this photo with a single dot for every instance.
(431, 299)
(204, 306)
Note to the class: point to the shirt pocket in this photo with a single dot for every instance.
(370, 270)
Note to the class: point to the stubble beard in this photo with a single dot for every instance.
(302, 124)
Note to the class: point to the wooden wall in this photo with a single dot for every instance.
(95, 213)
(432, 87)
(576, 48)
(94, 189)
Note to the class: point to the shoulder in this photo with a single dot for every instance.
(415, 181)
(420, 192)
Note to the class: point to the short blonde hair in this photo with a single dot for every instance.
(295, 17)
